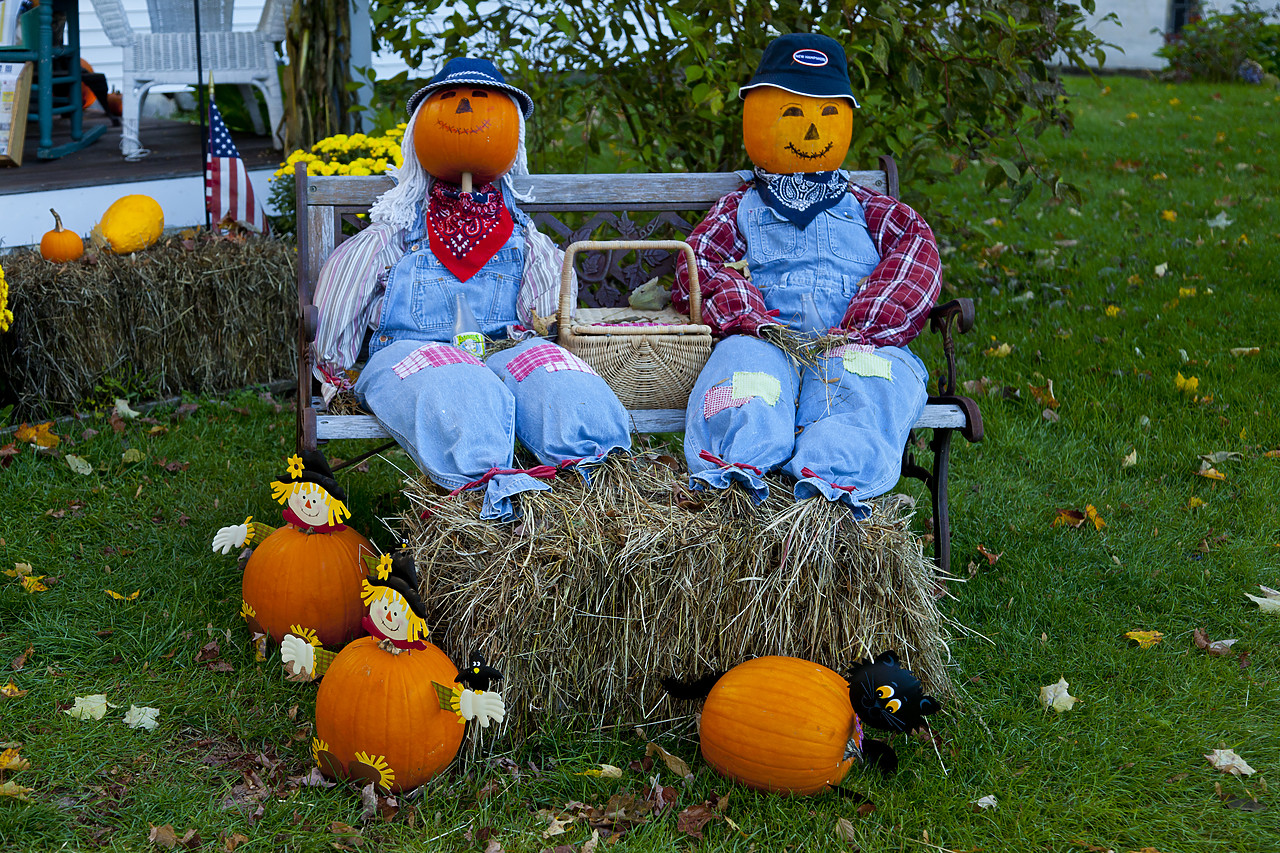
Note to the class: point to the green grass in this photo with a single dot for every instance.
(1123, 770)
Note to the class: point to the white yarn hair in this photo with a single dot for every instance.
(397, 206)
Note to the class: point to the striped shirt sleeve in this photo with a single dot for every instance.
(349, 297)
(540, 283)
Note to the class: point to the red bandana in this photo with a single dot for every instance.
(466, 229)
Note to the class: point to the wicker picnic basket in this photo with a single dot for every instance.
(649, 358)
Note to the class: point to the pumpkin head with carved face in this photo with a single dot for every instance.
(468, 121)
(797, 114)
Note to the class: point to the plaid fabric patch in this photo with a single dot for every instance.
(433, 355)
(861, 360)
(720, 398)
(549, 356)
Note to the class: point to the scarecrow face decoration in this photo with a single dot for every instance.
(786, 133)
(467, 128)
(390, 613)
(311, 503)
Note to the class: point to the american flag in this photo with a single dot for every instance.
(228, 193)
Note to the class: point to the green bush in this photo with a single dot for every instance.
(1225, 46)
(655, 86)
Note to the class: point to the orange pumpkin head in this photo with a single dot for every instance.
(467, 128)
(786, 133)
(378, 716)
(780, 724)
(60, 245)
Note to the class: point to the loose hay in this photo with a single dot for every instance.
(597, 593)
(200, 315)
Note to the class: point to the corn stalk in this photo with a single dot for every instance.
(315, 81)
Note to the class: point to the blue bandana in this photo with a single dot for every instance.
(801, 197)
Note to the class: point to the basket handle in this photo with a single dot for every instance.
(566, 276)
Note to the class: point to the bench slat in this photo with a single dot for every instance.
(612, 192)
(935, 416)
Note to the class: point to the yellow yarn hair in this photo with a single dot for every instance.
(281, 491)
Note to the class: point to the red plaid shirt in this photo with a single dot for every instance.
(889, 309)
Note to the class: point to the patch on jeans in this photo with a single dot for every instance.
(548, 356)
(748, 384)
(433, 355)
(861, 360)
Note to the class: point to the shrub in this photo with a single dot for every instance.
(357, 154)
(655, 86)
(1224, 46)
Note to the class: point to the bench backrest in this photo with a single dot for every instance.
(599, 204)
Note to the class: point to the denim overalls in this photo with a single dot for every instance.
(838, 427)
(457, 416)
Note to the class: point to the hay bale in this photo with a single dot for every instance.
(199, 314)
(597, 593)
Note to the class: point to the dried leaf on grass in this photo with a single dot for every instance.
(11, 761)
(605, 771)
(1268, 604)
(1145, 639)
(1216, 647)
(674, 764)
(1055, 696)
(140, 717)
(91, 707)
(16, 791)
(12, 691)
(1227, 761)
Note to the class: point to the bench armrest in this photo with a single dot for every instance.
(958, 313)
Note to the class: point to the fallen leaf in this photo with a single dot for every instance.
(92, 707)
(13, 789)
(556, 824)
(118, 597)
(1218, 647)
(1227, 761)
(21, 660)
(11, 691)
(1130, 460)
(122, 409)
(41, 435)
(11, 761)
(1145, 639)
(1092, 514)
(1185, 384)
(1220, 456)
(1044, 394)
(674, 764)
(1243, 351)
(1055, 696)
(131, 455)
(1069, 517)
(1001, 351)
(1219, 221)
(1209, 472)
(1245, 804)
(991, 558)
(606, 771)
(138, 717)
(31, 583)
(845, 831)
(1270, 603)
(79, 464)
(1161, 269)
(692, 820)
(163, 836)
(987, 802)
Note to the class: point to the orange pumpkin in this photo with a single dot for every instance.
(467, 129)
(378, 717)
(787, 133)
(308, 579)
(779, 724)
(60, 245)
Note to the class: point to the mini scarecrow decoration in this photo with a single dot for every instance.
(448, 250)
(392, 707)
(792, 726)
(800, 248)
(307, 572)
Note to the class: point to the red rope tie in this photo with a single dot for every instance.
(809, 473)
(542, 472)
(704, 455)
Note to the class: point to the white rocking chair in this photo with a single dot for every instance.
(167, 55)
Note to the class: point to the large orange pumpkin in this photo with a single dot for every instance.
(779, 724)
(787, 133)
(467, 129)
(378, 717)
(307, 579)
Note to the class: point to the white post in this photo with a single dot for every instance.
(361, 30)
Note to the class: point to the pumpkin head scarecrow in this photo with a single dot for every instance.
(792, 726)
(798, 246)
(448, 249)
(390, 709)
(308, 571)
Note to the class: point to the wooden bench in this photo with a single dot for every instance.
(599, 207)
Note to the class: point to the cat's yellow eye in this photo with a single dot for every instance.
(893, 705)
(884, 691)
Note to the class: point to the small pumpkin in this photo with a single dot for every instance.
(378, 716)
(60, 245)
(467, 129)
(130, 224)
(779, 724)
(786, 133)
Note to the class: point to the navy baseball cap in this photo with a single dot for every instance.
(806, 64)
(463, 71)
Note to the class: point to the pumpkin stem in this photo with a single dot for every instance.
(57, 221)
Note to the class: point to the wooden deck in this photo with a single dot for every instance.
(175, 152)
